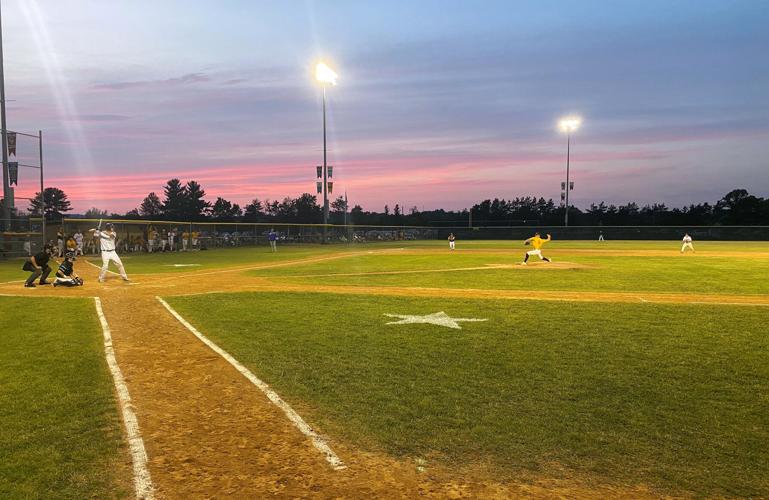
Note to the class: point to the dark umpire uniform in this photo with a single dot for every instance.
(38, 266)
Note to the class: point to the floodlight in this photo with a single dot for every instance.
(570, 124)
(324, 74)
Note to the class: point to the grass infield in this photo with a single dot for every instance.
(671, 396)
(60, 434)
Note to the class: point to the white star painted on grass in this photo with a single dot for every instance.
(439, 318)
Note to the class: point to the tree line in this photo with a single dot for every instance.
(186, 202)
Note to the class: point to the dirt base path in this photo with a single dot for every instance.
(210, 433)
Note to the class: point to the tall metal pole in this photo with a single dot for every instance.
(325, 170)
(42, 189)
(7, 203)
(568, 147)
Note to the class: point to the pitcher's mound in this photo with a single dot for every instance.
(541, 265)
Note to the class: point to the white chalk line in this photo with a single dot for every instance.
(317, 441)
(703, 302)
(41, 296)
(142, 480)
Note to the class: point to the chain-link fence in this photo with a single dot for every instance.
(22, 237)
(163, 236)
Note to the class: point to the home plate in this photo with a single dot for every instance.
(181, 265)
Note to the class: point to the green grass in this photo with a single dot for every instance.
(675, 397)
(60, 431)
(691, 273)
(142, 263)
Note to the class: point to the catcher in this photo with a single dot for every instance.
(66, 275)
(537, 243)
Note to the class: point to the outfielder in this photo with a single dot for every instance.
(537, 243)
(452, 241)
(107, 240)
(687, 243)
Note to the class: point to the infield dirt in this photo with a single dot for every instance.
(210, 433)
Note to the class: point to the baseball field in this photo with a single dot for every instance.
(620, 369)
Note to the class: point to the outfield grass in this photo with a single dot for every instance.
(675, 397)
(691, 273)
(60, 431)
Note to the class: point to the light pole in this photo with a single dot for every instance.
(325, 75)
(568, 125)
(7, 191)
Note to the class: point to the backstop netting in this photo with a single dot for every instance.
(22, 229)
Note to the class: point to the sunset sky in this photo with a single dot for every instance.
(439, 104)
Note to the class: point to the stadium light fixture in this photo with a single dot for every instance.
(568, 125)
(325, 76)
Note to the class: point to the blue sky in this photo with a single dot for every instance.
(439, 104)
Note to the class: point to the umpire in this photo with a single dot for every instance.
(38, 266)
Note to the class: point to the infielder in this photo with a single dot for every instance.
(687, 243)
(537, 243)
(107, 240)
(273, 237)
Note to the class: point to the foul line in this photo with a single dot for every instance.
(142, 479)
(297, 420)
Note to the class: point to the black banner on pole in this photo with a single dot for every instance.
(13, 173)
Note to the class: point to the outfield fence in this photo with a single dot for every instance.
(153, 236)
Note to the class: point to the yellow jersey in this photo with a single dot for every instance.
(537, 242)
